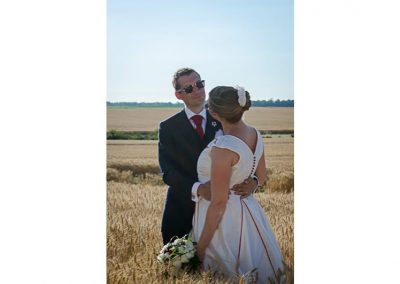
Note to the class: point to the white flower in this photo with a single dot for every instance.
(160, 258)
(181, 250)
(176, 242)
(184, 259)
(177, 263)
(189, 246)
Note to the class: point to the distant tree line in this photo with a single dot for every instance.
(273, 103)
(262, 103)
(136, 104)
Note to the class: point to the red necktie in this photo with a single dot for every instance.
(198, 119)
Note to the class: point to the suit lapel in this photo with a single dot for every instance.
(212, 126)
(187, 129)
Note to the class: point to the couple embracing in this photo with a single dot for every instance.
(213, 162)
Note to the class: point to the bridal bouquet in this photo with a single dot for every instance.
(181, 253)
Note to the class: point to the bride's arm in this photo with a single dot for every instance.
(222, 161)
(261, 171)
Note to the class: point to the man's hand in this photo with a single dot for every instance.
(204, 191)
(246, 188)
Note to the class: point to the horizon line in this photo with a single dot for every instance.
(154, 102)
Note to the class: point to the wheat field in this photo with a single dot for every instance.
(278, 151)
(135, 198)
(134, 238)
(148, 119)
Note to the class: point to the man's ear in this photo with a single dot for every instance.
(178, 95)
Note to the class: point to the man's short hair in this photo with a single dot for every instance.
(179, 73)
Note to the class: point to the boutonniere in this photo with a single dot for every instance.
(213, 123)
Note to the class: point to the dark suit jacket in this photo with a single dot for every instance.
(179, 147)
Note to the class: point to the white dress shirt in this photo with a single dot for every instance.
(203, 113)
(189, 115)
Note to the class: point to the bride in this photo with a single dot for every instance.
(233, 234)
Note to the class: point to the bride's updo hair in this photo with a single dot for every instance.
(224, 101)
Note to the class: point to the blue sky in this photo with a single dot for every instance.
(247, 43)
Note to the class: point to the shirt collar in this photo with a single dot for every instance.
(190, 113)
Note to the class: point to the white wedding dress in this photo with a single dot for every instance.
(244, 239)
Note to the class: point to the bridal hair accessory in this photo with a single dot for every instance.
(241, 96)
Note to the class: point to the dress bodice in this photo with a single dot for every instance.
(245, 167)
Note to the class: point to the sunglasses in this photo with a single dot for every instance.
(199, 84)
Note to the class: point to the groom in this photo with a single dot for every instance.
(181, 139)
